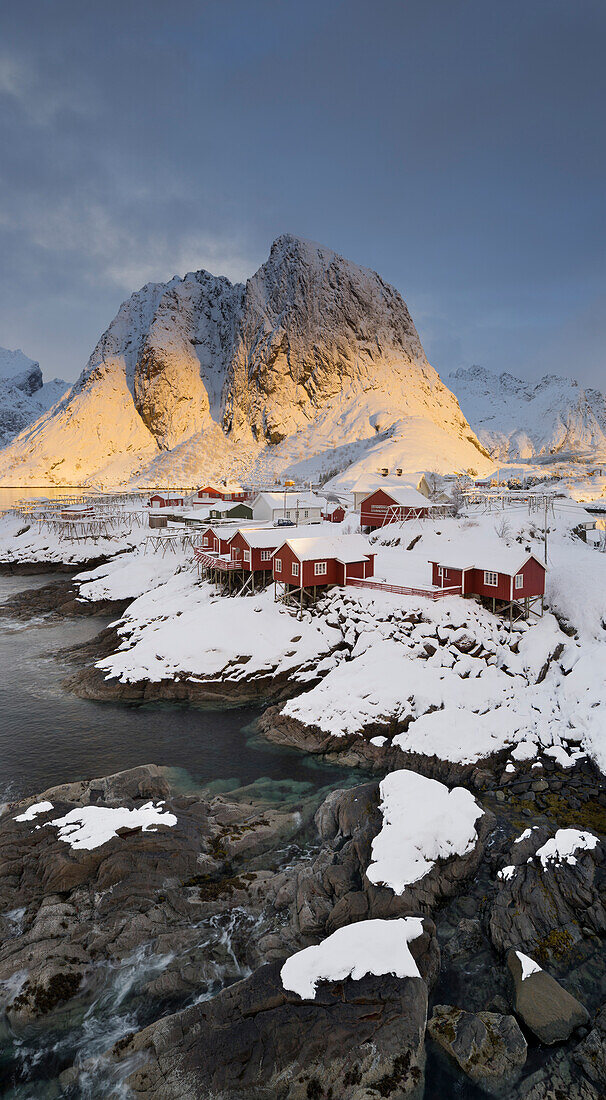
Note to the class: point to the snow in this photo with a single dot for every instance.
(182, 627)
(529, 966)
(23, 395)
(423, 821)
(563, 846)
(34, 810)
(344, 548)
(191, 376)
(21, 541)
(516, 419)
(89, 827)
(368, 947)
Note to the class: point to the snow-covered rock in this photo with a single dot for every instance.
(514, 419)
(311, 365)
(24, 397)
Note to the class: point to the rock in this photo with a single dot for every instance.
(590, 1055)
(543, 1004)
(542, 909)
(81, 909)
(255, 1039)
(488, 1047)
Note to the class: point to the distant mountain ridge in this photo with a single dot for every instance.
(304, 367)
(514, 419)
(24, 396)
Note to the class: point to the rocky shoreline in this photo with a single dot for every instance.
(279, 883)
(205, 910)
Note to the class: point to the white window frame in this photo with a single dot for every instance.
(306, 514)
(489, 574)
(320, 569)
(247, 557)
(266, 555)
(287, 514)
(205, 541)
(442, 571)
(519, 580)
(278, 564)
(295, 569)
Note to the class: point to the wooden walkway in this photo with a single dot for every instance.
(401, 590)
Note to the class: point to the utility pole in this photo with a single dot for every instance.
(545, 528)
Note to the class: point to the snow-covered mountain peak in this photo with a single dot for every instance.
(312, 356)
(516, 419)
(23, 394)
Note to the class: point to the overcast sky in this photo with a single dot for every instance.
(456, 146)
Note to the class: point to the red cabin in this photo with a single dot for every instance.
(323, 560)
(159, 501)
(334, 513)
(227, 492)
(505, 574)
(253, 548)
(389, 505)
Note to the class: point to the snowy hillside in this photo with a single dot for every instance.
(516, 420)
(309, 366)
(24, 397)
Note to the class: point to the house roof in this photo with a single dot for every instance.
(263, 537)
(344, 548)
(405, 495)
(302, 500)
(508, 560)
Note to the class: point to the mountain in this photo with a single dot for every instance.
(23, 394)
(517, 420)
(303, 369)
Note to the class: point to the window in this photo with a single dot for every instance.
(295, 569)
(306, 514)
(442, 572)
(287, 514)
(378, 507)
(491, 579)
(266, 555)
(320, 569)
(205, 541)
(519, 580)
(247, 556)
(278, 564)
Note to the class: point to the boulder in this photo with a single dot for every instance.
(488, 1047)
(355, 1038)
(547, 1009)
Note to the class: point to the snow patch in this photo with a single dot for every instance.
(368, 947)
(423, 821)
(89, 827)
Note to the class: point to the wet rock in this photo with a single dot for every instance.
(84, 910)
(542, 909)
(255, 1039)
(488, 1047)
(332, 890)
(550, 1012)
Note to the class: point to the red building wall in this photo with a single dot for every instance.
(335, 571)
(532, 571)
(381, 499)
(239, 544)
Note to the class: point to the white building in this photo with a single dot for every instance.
(297, 507)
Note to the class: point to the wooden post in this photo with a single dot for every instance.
(301, 604)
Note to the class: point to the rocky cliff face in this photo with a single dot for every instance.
(313, 355)
(23, 394)
(517, 420)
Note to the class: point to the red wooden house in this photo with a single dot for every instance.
(505, 573)
(160, 501)
(317, 561)
(222, 492)
(389, 505)
(333, 512)
(253, 548)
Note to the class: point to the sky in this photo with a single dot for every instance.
(455, 146)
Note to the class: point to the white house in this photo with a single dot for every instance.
(300, 508)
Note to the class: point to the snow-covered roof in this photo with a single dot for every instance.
(293, 500)
(468, 553)
(403, 494)
(344, 548)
